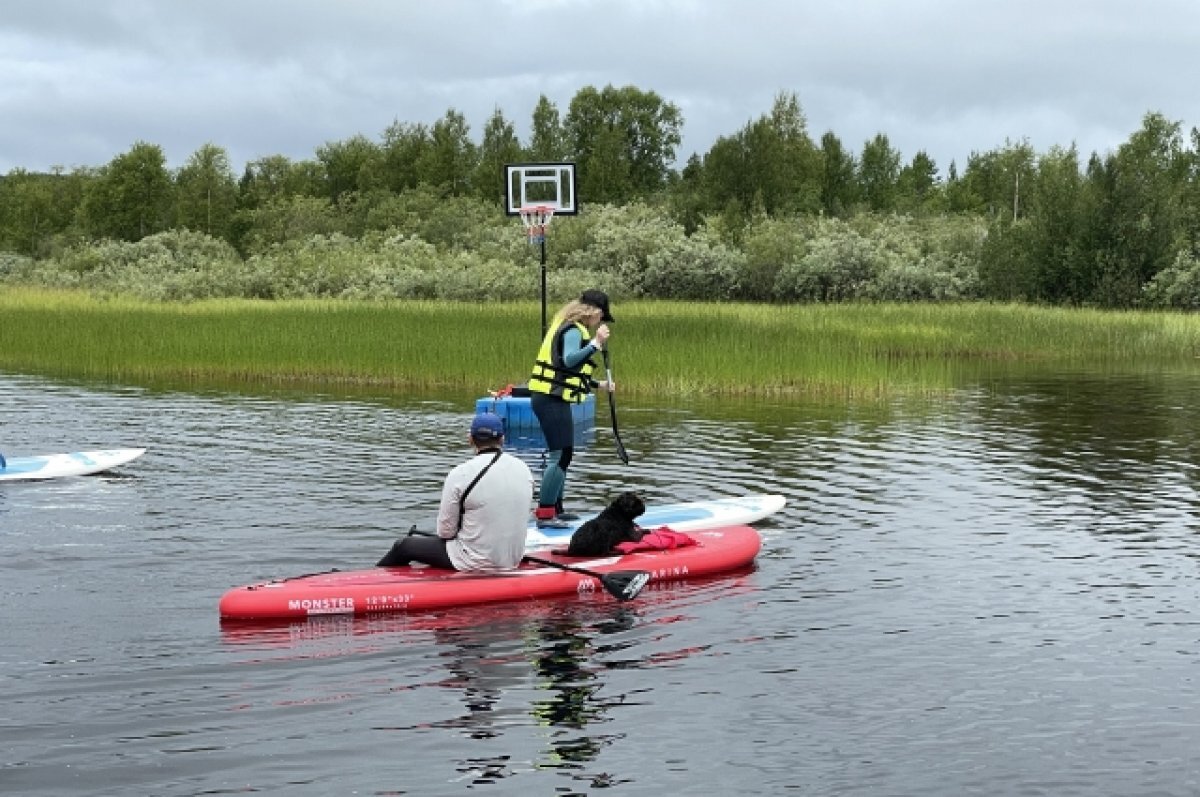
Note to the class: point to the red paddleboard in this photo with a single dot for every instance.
(407, 589)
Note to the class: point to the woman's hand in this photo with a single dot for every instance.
(601, 336)
(604, 384)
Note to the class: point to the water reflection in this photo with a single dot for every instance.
(964, 592)
(562, 659)
(483, 663)
(545, 664)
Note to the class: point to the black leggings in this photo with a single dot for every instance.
(412, 548)
(556, 419)
(558, 425)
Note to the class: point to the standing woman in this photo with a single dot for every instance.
(562, 376)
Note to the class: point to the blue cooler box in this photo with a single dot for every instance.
(519, 420)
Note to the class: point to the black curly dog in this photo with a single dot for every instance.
(601, 534)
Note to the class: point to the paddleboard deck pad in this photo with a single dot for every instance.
(413, 588)
(687, 517)
(78, 463)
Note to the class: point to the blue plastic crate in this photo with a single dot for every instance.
(519, 420)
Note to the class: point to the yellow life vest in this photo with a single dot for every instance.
(551, 375)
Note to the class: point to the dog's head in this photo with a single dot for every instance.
(628, 505)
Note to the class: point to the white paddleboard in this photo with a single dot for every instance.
(78, 463)
(691, 516)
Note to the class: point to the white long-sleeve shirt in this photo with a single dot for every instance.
(498, 507)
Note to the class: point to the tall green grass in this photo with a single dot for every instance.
(674, 348)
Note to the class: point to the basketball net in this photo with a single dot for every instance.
(536, 219)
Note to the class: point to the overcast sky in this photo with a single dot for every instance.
(82, 81)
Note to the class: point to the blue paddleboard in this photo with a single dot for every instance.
(689, 516)
(77, 463)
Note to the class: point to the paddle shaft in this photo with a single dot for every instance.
(539, 560)
(561, 566)
(612, 409)
(623, 584)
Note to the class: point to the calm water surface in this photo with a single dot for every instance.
(989, 593)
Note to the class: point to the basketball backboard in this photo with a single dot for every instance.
(546, 184)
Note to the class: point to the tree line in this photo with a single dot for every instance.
(1119, 229)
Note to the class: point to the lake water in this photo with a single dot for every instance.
(989, 592)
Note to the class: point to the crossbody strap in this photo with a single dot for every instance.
(462, 499)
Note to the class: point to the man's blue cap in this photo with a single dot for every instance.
(487, 426)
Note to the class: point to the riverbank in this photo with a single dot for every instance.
(658, 348)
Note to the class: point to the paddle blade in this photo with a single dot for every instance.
(621, 452)
(624, 585)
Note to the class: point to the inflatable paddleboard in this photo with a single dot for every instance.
(405, 589)
(688, 517)
(78, 463)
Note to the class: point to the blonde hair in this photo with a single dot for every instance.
(577, 311)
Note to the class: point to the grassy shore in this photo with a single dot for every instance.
(657, 347)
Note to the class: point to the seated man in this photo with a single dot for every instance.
(484, 512)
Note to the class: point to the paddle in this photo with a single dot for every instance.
(612, 410)
(624, 585)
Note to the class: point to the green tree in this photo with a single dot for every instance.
(404, 147)
(271, 182)
(607, 176)
(784, 167)
(131, 196)
(1006, 270)
(623, 142)
(992, 183)
(1138, 193)
(36, 209)
(345, 162)
(25, 206)
(500, 146)
(686, 196)
(450, 160)
(1035, 256)
(1053, 208)
(879, 173)
(206, 192)
(290, 219)
(958, 193)
(917, 185)
(277, 177)
(839, 187)
(1190, 194)
(725, 186)
(547, 141)
(770, 166)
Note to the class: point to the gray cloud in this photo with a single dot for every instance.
(84, 81)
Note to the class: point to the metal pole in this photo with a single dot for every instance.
(543, 283)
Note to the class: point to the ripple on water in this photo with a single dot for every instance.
(990, 594)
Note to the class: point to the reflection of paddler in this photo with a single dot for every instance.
(561, 662)
(483, 664)
(561, 658)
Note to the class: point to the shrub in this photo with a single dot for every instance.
(769, 245)
(620, 240)
(1176, 286)
(14, 266)
(838, 265)
(691, 268)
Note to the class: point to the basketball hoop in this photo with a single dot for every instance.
(536, 219)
